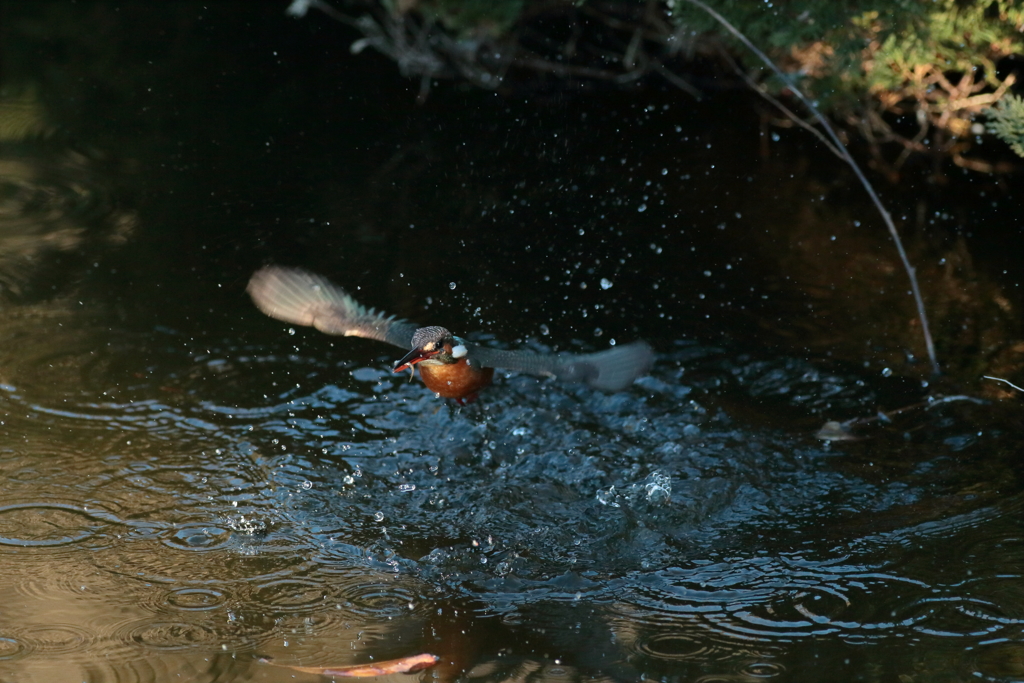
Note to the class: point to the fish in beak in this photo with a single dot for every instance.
(418, 354)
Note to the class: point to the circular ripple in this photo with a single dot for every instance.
(152, 563)
(194, 599)
(376, 601)
(675, 646)
(292, 595)
(996, 599)
(12, 648)
(549, 672)
(169, 635)
(956, 616)
(57, 638)
(763, 670)
(73, 582)
(204, 537)
(822, 609)
(45, 525)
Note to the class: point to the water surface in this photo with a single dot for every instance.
(189, 486)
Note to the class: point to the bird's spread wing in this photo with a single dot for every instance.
(610, 370)
(301, 298)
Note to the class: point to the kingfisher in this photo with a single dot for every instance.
(449, 366)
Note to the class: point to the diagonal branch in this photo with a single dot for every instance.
(911, 272)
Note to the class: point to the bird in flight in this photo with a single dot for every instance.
(449, 366)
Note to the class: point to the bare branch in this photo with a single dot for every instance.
(911, 272)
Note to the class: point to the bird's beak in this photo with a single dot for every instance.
(412, 358)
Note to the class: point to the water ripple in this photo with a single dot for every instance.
(54, 639)
(762, 670)
(293, 594)
(46, 524)
(680, 646)
(377, 600)
(12, 647)
(168, 635)
(189, 599)
(197, 537)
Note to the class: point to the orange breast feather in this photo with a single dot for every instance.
(455, 380)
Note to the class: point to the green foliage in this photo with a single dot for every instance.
(932, 59)
(873, 45)
(1006, 121)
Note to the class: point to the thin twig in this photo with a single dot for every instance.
(791, 115)
(677, 81)
(1004, 381)
(911, 272)
(541, 64)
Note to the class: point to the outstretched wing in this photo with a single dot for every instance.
(610, 370)
(302, 298)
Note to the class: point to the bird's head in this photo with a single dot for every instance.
(432, 345)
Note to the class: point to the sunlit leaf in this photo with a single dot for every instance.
(403, 665)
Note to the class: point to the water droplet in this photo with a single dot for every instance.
(307, 485)
(378, 516)
(607, 497)
(544, 330)
(291, 331)
(598, 331)
(886, 372)
(641, 208)
(451, 285)
(606, 283)
(658, 489)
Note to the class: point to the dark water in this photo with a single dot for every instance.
(188, 486)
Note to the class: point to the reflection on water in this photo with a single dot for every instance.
(186, 485)
(130, 529)
(53, 215)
